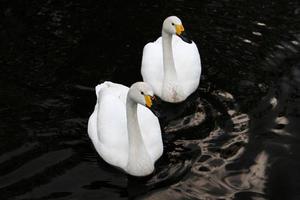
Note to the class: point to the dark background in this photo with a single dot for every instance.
(52, 54)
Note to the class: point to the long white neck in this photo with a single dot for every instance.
(139, 160)
(168, 60)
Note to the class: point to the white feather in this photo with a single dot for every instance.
(107, 126)
(187, 64)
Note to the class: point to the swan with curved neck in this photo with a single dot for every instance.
(139, 160)
(172, 66)
(124, 132)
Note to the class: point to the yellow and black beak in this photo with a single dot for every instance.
(180, 32)
(148, 100)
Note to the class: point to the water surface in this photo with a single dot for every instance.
(237, 137)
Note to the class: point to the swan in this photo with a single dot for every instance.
(124, 132)
(171, 64)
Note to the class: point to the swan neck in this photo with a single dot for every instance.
(133, 128)
(139, 161)
(168, 60)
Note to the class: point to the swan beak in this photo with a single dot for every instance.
(180, 32)
(179, 29)
(148, 100)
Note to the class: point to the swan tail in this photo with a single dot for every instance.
(101, 86)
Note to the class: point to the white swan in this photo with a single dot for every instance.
(125, 134)
(172, 66)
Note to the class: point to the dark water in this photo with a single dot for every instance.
(237, 137)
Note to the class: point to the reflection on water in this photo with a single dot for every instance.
(207, 161)
(219, 183)
(235, 138)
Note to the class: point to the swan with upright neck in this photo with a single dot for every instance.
(125, 133)
(171, 64)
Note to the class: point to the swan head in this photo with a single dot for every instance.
(173, 26)
(141, 93)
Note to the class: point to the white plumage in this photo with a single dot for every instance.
(108, 130)
(167, 53)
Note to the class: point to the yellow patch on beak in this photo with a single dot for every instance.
(179, 29)
(148, 101)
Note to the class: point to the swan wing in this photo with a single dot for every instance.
(188, 64)
(107, 125)
(151, 132)
(152, 65)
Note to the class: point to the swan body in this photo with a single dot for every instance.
(171, 65)
(125, 133)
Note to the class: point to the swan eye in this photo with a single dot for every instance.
(142, 93)
(173, 24)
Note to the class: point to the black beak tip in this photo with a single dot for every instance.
(185, 38)
(188, 41)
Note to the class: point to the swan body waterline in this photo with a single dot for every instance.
(171, 64)
(125, 133)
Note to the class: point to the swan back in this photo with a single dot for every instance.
(107, 125)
